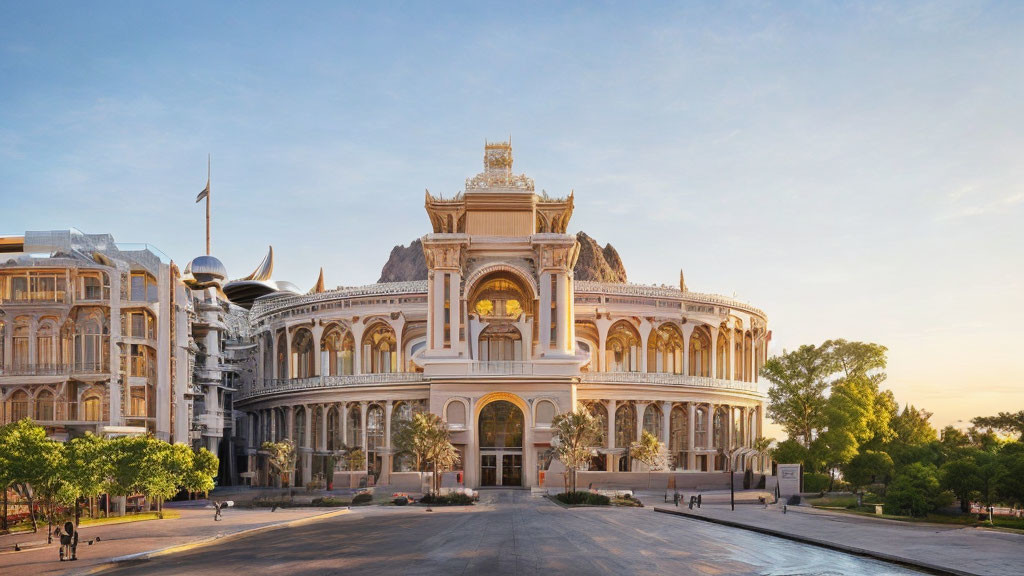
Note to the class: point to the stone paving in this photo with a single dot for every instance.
(509, 532)
(957, 549)
(195, 524)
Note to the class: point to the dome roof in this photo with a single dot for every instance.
(206, 269)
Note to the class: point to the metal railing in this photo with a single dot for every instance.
(501, 367)
(666, 380)
(45, 369)
(271, 386)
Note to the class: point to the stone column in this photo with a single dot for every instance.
(454, 308)
(387, 464)
(641, 409)
(289, 364)
(438, 312)
(611, 424)
(344, 422)
(645, 334)
(561, 329)
(318, 360)
(711, 426)
(690, 425)
(666, 422)
(753, 348)
(687, 332)
(362, 427)
(544, 330)
(714, 352)
(602, 337)
(324, 409)
(731, 368)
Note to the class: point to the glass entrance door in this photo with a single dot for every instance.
(488, 470)
(512, 470)
(501, 468)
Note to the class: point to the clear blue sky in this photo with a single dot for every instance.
(854, 170)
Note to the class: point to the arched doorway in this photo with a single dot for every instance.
(501, 444)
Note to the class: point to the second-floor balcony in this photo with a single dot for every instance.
(663, 379)
(47, 369)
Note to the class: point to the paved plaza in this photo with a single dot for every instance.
(514, 532)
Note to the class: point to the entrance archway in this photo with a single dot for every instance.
(501, 427)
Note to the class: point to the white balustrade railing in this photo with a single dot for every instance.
(501, 367)
(277, 385)
(666, 380)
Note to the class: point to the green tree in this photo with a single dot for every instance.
(1006, 422)
(167, 465)
(1010, 483)
(915, 491)
(440, 453)
(848, 414)
(915, 439)
(27, 456)
(792, 452)
(796, 399)
(574, 435)
(199, 477)
(868, 467)
(412, 436)
(649, 451)
(87, 468)
(961, 478)
(128, 468)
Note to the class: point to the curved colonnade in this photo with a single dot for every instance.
(340, 369)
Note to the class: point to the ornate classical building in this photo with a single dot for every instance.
(498, 340)
(87, 327)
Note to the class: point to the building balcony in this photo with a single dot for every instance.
(501, 368)
(273, 386)
(36, 370)
(661, 379)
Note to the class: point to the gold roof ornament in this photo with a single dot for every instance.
(264, 270)
(682, 282)
(319, 287)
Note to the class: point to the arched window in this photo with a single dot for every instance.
(354, 432)
(19, 343)
(625, 426)
(665, 350)
(380, 353)
(700, 352)
(501, 296)
(282, 355)
(3, 340)
(545, 413)
(302, 354)
(374, 428)
(718, 428)
(653, 420)
(700, 427)
(500, 342)
(299, 428)
(18, 406)
(90, 351)
(316, 425)
(333, 429)
(501, 425)
(737, 361)
(456, 414)
(622, 348)
(90, 410)
(46, 356)
(587, 338)
(679, 429)
(340, 348)
(599, 411)
(137, 407)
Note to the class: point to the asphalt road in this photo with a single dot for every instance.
(510, 532)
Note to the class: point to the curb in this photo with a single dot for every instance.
(139, 557)
(900, 560)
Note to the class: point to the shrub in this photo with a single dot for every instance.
(363, 498)
(815, 482)
(915, 491)
(582, 497)
(328, 501)
(270, 502)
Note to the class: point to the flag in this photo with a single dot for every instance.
(204, 193)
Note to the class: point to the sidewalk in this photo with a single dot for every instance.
(118, 540)
(938, 548)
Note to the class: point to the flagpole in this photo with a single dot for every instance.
(207, 204)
